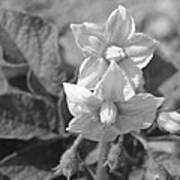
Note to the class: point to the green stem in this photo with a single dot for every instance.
(104, 150)
(77, 142)
(142, 139)
(165, 138)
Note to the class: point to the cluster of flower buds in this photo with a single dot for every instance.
(107, 101)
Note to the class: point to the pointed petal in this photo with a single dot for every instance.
(133, 73)
(91, 128)
(91, 71)
(120, 26)
(80, 100)
(89, 37)
(137, 113)
(170, 121)
(114, 85)
(143, 61)
(140, 49)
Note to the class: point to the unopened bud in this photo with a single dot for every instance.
(170, 121)
(113, 157)
(69, 163)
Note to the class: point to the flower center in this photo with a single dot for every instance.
(108, 113)
(115, 53)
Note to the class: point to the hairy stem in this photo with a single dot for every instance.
(101, 173)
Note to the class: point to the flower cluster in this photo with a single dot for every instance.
(106, 100)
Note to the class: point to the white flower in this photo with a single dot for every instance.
(117, 41)
(100, 113)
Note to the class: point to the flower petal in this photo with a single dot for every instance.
(143, 61)
(137, 113)
(140, 49)
(91, 71)
(120, 26)
(170, 121)
(133, 73)
(80, 100)
(91, 128)
(89, 37)
(114, 85)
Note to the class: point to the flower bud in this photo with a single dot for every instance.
(108, 113)
(69, 163)
(113, 157)
(170, 121)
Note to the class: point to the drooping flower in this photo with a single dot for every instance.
(111, 109)
(115, 40)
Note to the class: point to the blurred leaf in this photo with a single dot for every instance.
(151, 170)
(9, 146)
(3, 82)
(163, 146)
(171, 90)
(137, 174)
(155, 170)
(24, 116)
(157, 72)
(34, 162)
(169, 86)
(169, 161)
(28, 40)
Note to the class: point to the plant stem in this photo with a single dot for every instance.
(165, 138)
(104, 150)
(142, 139)
(77, 141)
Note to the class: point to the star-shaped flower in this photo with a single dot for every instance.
(109, 111)
(115, 40)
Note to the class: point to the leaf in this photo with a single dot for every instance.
(28, 40)
(155, 171)
(171, 90)
(163, 146)
(3, 82)
(10, 74)
(170, 85)
(137, 174)
(170, 162)
(24, 116)
(156, 73)
(33, 162)
(34, 85)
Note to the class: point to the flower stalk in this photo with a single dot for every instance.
(101, 173)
